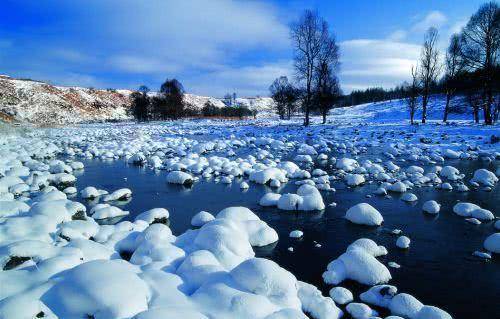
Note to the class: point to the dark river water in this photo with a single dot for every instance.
(438, 269)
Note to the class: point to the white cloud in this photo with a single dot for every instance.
(375, 62)
(135, 64)
(245, 81)
(186, 34)
(397, 35)
(71, 55)
(432, 19)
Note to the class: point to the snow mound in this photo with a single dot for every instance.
(364, 214)
(357, 264)
(492, 243)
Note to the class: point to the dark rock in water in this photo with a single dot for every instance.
(494, 139)
(41, 314)
(425, 140)
(15, 261)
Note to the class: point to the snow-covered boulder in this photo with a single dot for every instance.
(296, 234)
(484, 177)
(98, 287)
(201, 219)
(358, 264)
(341, 295)
(179, 177)
(265, 176)
(346, 164)
(155, 215)
(91, 192)
(409, 197)
(270, 199)
(403, 242)
(105, 212)
(492, 243)
(431, 207)
(360, 311)
(398, 187)
(354, 179)
(364, 214)
(405, 305)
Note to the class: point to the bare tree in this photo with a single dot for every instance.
(292, 96)
(481, 50)
(429, 67)
(284, 96)
(309, 36)
(327, 90)
(278, 94)
(170, 101)
(454, 65)
(411, 93)
(327, 84)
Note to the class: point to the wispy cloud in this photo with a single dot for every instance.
(369, 62)
(433, 19)
(246, 80)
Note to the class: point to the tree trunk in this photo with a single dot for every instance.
(487, 108)
(424, 108)
(476, 115)
(324, 117)
(412, 114)
(447, 106)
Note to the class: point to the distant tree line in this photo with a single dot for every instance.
(471, 69)
(169, 104)
(210, 110)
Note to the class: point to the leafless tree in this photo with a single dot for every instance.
(327, 90)
(481, 50)
(412, 92)
(327, 84)
(454, 65)
(311, 39)
(284, 95)
(429, 67)
(278, 93)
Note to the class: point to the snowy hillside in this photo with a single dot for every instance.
(45, 104)
(42, 103)
(396, 110)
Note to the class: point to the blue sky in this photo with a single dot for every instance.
(212, 46)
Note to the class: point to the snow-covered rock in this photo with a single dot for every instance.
(341, 295)
(201, 219)
(403, 242)
(179, 177)
(364, 214)
(431, 207)
(359, 264)
(492, 243)
(155, 215)
(484, 177)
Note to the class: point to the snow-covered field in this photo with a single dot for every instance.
(61, 260)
